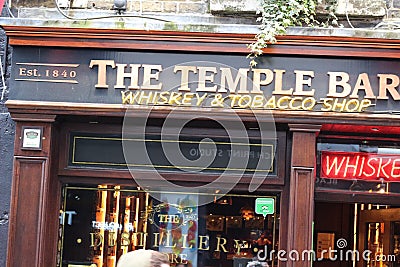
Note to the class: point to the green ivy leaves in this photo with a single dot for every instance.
(277, 16)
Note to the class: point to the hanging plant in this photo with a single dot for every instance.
(278, 15)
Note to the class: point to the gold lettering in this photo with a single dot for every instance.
(125, 239)
(185, 76)
(300, 82)
(164, 99)
(151, 72)
(184, 241)
(139, 239)
(200, 99)
(258, 101)
(239, 244)
(271, 103)
(283, 99)
(308, 103)
(144, 97)
(127, 97)
(102, 71)
(218, 101)
(363, 83)
(293, 101)
(111, 239)
(364, 104)
(326, 104)
(385, 86)
(187, 99)
(162, 218)
(279, 83)
(234, 99)
(221, 244)
(338, 106)
(157, 240)
(353, 102)
(96, 239)
(203, 77)
(174, 98)
(244, 101)
(165, 218)
(136, 97)
(203, 241)
(22, 71)
(257, 82)
(334, 83)
(226, 77)
(133, 75)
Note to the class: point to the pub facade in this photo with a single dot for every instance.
(129, 139)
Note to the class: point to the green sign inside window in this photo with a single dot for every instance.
(265, 206)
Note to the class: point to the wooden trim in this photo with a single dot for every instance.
(301, 192)
(279, 116)
(31, 117)
(128, 39)
(304, 128)
(200, 42)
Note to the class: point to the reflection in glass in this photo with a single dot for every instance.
(375, 243)
(99, 224)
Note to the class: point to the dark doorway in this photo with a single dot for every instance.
(333, 223)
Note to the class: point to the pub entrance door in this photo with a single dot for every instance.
(379, 237)
(356, 235)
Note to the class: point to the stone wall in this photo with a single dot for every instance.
(374, 8)
(167, 6)
(7, 131)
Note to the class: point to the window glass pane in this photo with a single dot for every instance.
(358, 165)
(99, 224)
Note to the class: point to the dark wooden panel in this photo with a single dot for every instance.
(26, 231)
(304, 140)
(35, 197)
(301, 212)
(301, 196)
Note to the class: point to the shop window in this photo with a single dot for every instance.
(358, 166)
(357, 212)
(100, 223)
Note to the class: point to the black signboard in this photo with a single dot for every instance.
(300, 83)
(107, 151)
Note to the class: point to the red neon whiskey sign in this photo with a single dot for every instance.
(361, 166)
